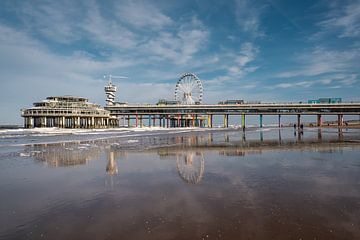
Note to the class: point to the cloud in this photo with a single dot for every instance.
(180, 46)
(343, 18)
(54, 20)
(142, 14)
(134, 28)
(248, 17)
(238, 65)
(107, 31)
(335, 81)
(323, 61)
(304, 84)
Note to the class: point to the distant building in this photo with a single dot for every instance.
(325, 100)
(167, 102)
(67, 112)
(232, 102)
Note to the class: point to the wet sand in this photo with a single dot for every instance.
(222, 184)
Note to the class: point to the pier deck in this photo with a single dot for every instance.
(194, 115)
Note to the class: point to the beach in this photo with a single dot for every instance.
(190, 183)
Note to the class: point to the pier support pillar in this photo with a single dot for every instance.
(319, 120)
(298, 120)
(26, 122)
(149, 118)
(129, 124)
(178, 120)
(136, 120)
(43, 122)
(29, 122)
(141, 121)
(210, 121)
(225, 120)
(167, 121)
(243, 121)
(261, 120)
(279, 121)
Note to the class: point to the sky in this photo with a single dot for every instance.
(256, 50)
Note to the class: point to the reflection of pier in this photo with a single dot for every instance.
(234, 152)
(190, 166)
(64, 154)
(111, 166)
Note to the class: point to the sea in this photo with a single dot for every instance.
(185, 183)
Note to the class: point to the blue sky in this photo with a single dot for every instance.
(270, 50)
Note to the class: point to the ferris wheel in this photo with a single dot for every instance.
(189, 89)
(190, 166)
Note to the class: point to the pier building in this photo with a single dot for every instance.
(67, 112)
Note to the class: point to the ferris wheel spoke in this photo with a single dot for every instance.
(192, 86)
(188, 86)
(182, 87)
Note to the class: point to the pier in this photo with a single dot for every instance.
(186, 110)
(202, 115)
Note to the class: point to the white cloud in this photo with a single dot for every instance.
(113, 31)
(54, 20)
(235, 66)
(323, 61)
(343, 18)
(248, 17)
(340, 81)
(142, 14)
(239, 65)
(179, 47)
(107, 31)
(304, 84)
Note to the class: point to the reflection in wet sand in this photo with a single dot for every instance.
(254, 188)
(319, 135)
(111, 166)
(190, 166)
(232, 152)
(63, 154)
(190, 163)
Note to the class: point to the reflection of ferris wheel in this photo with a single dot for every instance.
(190, 167)
(189, 89)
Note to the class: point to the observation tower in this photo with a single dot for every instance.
(110, 90)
